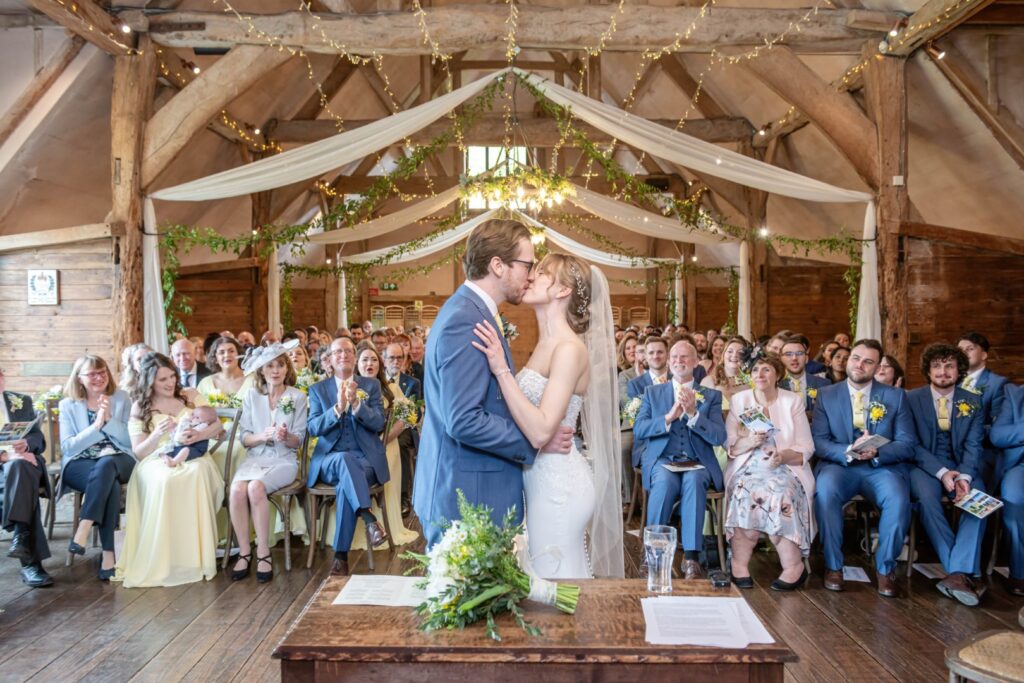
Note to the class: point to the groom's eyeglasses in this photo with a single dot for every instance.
(529, 264)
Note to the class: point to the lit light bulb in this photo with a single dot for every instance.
(894, 32)
(693, 258)
(762, 132)
(254, 232)
(328, 261)
(256, 131)
(718, 161)
(196, 70)
(125, 28)
(763, 232)
(941, 54)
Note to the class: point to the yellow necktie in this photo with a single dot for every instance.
(661, 380)
(858, 410)
(794, 385)
(968, 383)
(943, 414)
(501, 325)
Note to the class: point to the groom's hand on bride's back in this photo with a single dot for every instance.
(561, 442)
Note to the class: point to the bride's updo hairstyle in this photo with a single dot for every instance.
(569, 271)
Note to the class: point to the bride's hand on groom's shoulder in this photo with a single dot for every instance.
(490, 346)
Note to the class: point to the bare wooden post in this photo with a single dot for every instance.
(886, 90)
(131, 101)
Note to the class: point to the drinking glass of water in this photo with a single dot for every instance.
(659, 552)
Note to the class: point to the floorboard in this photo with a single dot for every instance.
(219, 630)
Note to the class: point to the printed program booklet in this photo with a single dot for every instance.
(15, 431)
(979, 503)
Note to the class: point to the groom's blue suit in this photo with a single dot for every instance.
(469, 440)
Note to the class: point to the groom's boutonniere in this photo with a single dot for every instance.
(876, 411)
(287, 405)
(16, 401)
(509, 330)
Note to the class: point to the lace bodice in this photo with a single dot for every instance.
(533, 383)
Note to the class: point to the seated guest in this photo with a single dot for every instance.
(726, 379)
(273, 425)
(227, 382)
(949, 422)
(845, 416)
(356, 332)
(656, 357)
(171, 510)
(769, 481)
(712, 335)
(980, 380)
(797, 379)
(190, 372)
(699, 341)
(416, 351)
(836, 371)
(24, 480)
(325, 356)
(714, 357)
(633, 369)
(246, 339)
(379, 338)
(774, 344)
(300, 334)
(131, 358)
(298, 356)
(842, 338)
(96, 452)
(1008, 434)
(341, 332)
(824, 356)
(346, 414)
(625, 352)
(671, 439)
(408, 387)
(268, 338)
(200, 357)
(890, 372)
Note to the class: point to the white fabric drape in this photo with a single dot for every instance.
(273, 292)
(589, 253)
(342, 302)
(391, 222)
(317, 158)
(869, 317)
(743, 314)
(154, 318)
(439, 243)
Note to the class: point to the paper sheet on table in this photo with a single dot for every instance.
(385, 591)
(713, 622)
(855, 574)
(931, 571)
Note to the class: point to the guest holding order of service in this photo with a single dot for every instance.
(96, 453)
(768, 481)
(273, 425)
(171, 511)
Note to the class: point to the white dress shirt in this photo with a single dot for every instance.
(676, 386)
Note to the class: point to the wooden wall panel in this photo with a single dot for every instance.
(951, 289)
(220, 300)
(809, 299)
(38, 344)
(308, 307)
(712, 307)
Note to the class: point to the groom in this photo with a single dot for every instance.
(469, 440)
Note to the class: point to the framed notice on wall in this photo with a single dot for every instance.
(42, 288)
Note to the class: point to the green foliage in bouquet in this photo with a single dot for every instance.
(473, 574)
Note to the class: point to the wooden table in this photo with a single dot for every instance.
(603, 641)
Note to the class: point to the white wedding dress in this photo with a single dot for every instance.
(560, 498)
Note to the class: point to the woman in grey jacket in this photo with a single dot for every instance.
(96, 452)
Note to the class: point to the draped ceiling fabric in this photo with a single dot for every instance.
(391, 222)
(317, 158)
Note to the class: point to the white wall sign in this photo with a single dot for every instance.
(42, 288)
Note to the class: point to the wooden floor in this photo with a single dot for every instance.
(81, 629)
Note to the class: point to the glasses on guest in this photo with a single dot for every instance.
(794, 354)
(529, 264)
(343, 352)
(98, 374)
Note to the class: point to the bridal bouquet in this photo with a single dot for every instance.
(629, 413)
(474, 573)
(407, 410)
(305, 379)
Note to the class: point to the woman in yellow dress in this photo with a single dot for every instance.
(226, 387)
(171, 510)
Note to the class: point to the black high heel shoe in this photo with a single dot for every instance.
(239, 574)
(264, 577)
(780, 585)
(75, 549)
(745, 582)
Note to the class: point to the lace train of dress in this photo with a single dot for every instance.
(560, 499)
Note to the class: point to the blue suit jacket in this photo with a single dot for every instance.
(966, 432)
(78, 434)
(707, 432)
(832, 426)
(410, 386)
(813, 382)
(368, 421)
(813, 367)
(635, 389)
(1008, 431)
(36, 440)
(468, 441)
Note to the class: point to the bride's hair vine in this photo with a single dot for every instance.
(581, 289)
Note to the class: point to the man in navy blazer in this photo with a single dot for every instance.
(989, 386)
(682, 423)
(469, 442)
(656, 353)
(949, 422)
(845, 416)
(346, 415)
(798, 379)
(1008, 434)
(23, 480)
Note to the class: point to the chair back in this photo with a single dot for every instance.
(387, 424)
(304, 458)
(53, 429)
(234, 415)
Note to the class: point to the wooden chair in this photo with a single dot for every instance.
(228, 437)
(617, 315)
(639, 316)
(282, 499)
(318, 504)
(987, 656)
(428, 314)
(394, 316)
(377, 316)
(53, 468)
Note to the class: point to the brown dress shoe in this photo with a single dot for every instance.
(339, 567)
(834, 579)
(1015, 586)
(961, 587)
(887, 585)
(377, 535)
(692, 570)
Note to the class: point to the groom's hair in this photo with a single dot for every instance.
(489, 239)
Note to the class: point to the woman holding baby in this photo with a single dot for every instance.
(171, 509)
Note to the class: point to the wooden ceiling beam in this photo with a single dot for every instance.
(464, 27)
(934, 19)
(351, 184)
(38, 86)
(89, 21)
(962, 238)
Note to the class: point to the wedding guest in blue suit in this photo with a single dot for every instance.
(96, 453)
(469, 441)
(346, 414)
(1008, 434)
(949, 424)
(656, 357)
(798, 379)
(989, 386)
(682, 423)
(845, 416)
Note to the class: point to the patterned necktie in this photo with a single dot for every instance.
(968, 383)
(794, 385)
(858, 410)
(943, 414)
(501, 324)
(661, 380)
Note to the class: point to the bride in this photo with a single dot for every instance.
(569, 498)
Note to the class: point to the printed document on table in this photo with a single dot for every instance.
(385, 591)
(712, 622)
